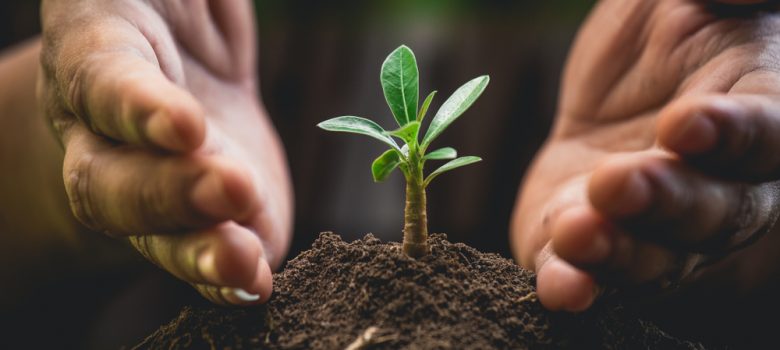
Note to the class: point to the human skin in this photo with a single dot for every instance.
(165, 140)
(663, 158)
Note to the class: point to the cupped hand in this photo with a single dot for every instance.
(156, 105)
(664, 156)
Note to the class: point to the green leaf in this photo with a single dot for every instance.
(425, 105)
(408, 132)
(442, 153)
(460, 100)
(455, 163)
(357, 125)
(401, 84)
(384, 165)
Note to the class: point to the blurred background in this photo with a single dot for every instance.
(321, 59)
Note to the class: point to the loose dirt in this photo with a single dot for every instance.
(369, 295)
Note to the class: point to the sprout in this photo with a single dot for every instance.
(400, 82)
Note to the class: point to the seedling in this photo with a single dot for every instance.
(400, 82)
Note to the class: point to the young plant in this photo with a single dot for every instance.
(400, 82)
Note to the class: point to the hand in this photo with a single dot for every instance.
(664, 152)
(155, 103)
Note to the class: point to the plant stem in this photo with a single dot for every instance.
(415, 213)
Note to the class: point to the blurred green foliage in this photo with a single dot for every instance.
(536, 11)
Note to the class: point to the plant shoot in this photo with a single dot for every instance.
(400, 83)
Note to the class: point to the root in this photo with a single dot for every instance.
(528, 297)
(369, 337)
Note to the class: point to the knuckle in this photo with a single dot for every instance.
(70, 62)
(59, 119)
(145, 244)
(141, 245)
(213, 293)
(74, 94)
(160, 204)
(78, 188)
(61, 124)
(149, 201)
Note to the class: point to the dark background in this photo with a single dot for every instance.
(321, 59)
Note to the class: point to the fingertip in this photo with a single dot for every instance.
(692, 127)
(136, 103)
(259, 292)
(238, 256)
(189, 121)
(238, 186)
(581, 237)
(224, 192)
(263, 284)
(230, 259)
(563, 287)
(180, 129)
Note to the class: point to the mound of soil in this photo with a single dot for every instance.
(366, 294)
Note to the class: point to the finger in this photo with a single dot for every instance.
(108, 75)
(561, 286)
(661, 200)
(126, 98)
(734, 135)
(531, 225)
(235, 20)
(257, 293)
(129, 191)
(227, 255)
(226, 44)
(584, 239)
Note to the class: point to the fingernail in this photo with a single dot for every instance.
(206, 266)
(209, 197)
(239, 296)
(161, 131)
(697, 135)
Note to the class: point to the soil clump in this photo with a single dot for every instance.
(369, 295)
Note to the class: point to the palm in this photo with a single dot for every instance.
(622, 74)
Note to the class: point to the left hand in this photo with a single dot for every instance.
(665, 150)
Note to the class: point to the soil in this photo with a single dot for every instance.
(369, 295)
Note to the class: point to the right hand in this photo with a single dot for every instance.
(166, 142)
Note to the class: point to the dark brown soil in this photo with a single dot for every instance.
(339, 294)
